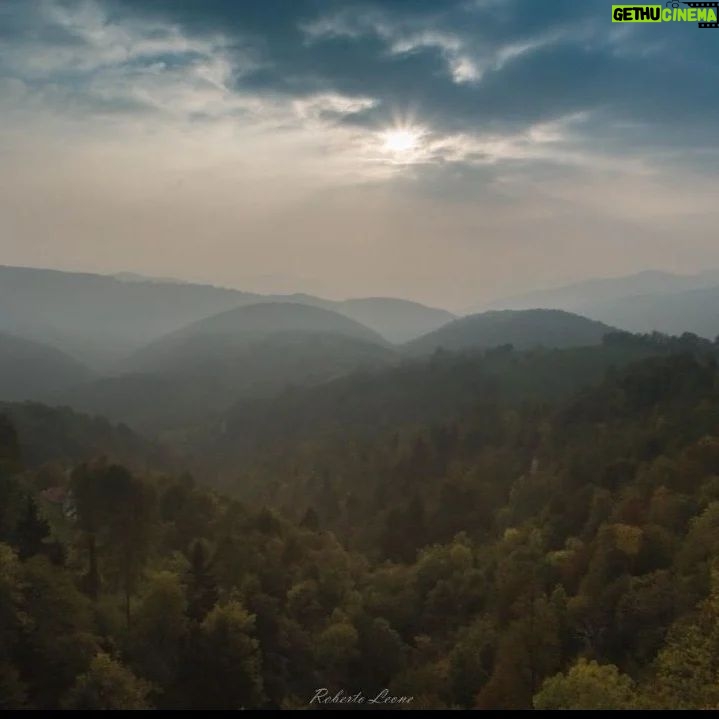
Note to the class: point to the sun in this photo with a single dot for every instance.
(401, 140)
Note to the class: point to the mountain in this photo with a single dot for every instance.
(646, 302)
(102, 319)
(580, 297)
(694, 311)
(98, 318)
(242, 329)
(32, 370)
(248, 351)
(266, 318)
(523, 329)
(398, 321)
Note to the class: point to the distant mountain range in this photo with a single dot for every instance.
(644, 302)
(101, 319)
(164, 356)
(259, 350)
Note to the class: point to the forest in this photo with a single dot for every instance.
(490, 539)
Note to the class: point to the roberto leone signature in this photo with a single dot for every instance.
(324, 696)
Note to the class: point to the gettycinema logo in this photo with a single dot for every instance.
(702, 13)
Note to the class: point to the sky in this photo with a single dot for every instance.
(448, 152)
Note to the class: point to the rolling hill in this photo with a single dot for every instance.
(34, 371)
(98, 318)
(103, 319)
(239, 331)
(246, 352)
(524, 329)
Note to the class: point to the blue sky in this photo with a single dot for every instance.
(449, 152)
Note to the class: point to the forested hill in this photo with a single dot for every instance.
(62, 436)
(185, 378)
(36, 371)
(523, 329)
(555, 554)
(418, 392)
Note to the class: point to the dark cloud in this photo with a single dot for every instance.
(659, 78)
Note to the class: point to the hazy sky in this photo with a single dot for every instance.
(441, 151)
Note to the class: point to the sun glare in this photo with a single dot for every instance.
(401, 140)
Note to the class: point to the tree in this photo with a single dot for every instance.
(310, 520)
(470, 661)
(58, 639)
(383, 654)
(587, 685)
(336, 646)
(12, 689)
(31, 530)
(107, 684)
(200, 582)
(115, 511)
(159, 627)
(686, 669)
(405, 531)
(224, 667)
(529, 650)
(129, 526)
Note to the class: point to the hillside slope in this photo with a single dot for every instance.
(523, 329)
(251, 351)
(32, 370)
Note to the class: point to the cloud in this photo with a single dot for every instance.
(462, 68)
(261, 129)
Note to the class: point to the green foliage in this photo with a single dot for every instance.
(228, 660)
(587, 685)
(471, 660)
(336, 645)
(686, 669)
(107, 684)
(116, 512)
(492, 554)
(159, 630)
